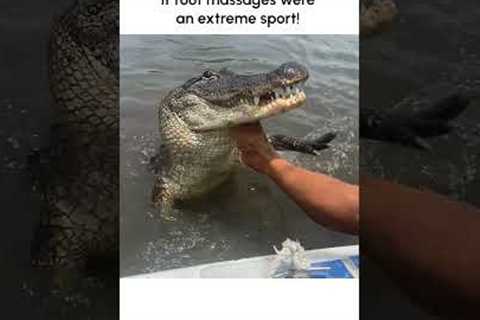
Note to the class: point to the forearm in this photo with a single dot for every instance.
(422, 237)
(328, 201)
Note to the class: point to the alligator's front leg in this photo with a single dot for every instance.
(162, 195)
(411, 128)
(303, 145)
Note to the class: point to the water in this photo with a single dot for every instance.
(249, 214)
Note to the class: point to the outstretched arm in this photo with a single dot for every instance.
(429, 243)
(326, 200)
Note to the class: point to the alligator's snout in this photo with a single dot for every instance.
(239, 99)
(291, 73)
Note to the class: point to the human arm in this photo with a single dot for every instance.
(428, 243)
(328, 201)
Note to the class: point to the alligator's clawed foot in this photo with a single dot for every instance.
(160, 196)
(162, 201)
(310, 146)
(411, 129)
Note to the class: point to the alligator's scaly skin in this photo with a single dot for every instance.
(197, 151)
(193, 163)
(82, 197)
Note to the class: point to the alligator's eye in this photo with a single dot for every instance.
(209, 74)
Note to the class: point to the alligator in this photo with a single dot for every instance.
(413, 127)
(197, 151)
(81, 185)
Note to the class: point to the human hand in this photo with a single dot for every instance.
(256, 152)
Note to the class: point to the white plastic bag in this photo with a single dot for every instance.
(289, 260)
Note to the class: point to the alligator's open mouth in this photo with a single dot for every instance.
(279, 100)
(226, 99)
(257, 107)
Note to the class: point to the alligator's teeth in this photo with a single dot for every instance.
(256, 100)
